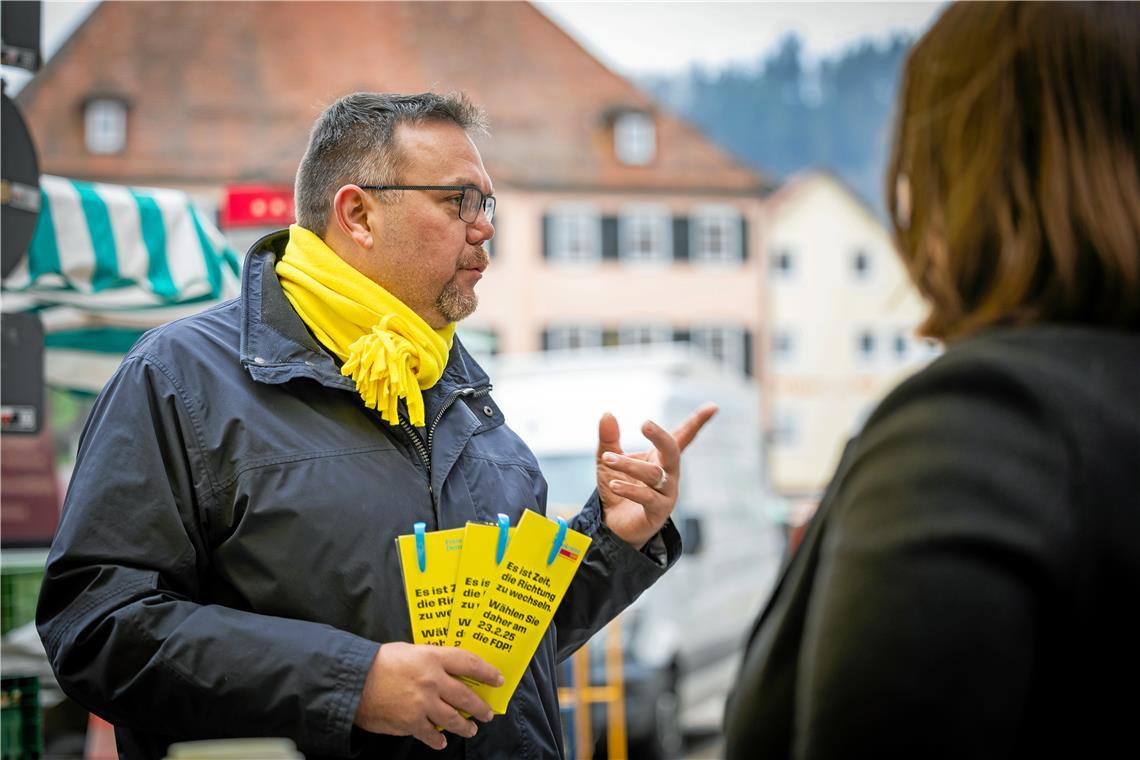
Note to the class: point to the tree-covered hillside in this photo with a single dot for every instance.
(781, 116)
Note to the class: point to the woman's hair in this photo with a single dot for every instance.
(1014, 178)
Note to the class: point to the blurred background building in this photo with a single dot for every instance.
(841, 319)
(620, 222)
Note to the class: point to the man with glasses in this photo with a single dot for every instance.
(226, 563)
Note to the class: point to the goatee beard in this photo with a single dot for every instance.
(455, 306)
(452, 304)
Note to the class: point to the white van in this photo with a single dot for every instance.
(683, 638)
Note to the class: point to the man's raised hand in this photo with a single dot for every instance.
(639, 491)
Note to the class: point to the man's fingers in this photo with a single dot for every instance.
(656, 504)
(609, 435)
(687, 430)
(648, 473)
(459, 696)
(667, 450)
(445, 716)
(427, 733)
(459, 662)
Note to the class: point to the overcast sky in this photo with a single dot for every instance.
(651, 37)
(636, 38)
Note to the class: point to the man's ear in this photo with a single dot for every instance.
(356, 215)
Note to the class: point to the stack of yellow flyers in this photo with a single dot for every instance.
(489, 590)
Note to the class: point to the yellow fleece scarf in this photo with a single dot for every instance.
(387, 349)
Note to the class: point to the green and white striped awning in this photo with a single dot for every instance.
(108, 262)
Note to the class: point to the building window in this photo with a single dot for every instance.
(644, 334)
(635, 138)
(575, 234)
(646, 235)
(783, 346)
(480, 342)
(901, 345)
(861, 265)
(105, 125)
(783, 264)
(488, 245)
(723, 343)
(716, 234)
(865, 346)
(572, 337)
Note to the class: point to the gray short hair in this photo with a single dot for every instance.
(353, 142)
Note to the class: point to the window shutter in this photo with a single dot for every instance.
(681, 336)
(744, 238)
(748, 369)
(546, 340)
(680, 238)
(545, 246)
(609, 237)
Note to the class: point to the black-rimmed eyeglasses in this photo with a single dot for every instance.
(472, 200)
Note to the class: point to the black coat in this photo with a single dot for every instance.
(226, 563)
(969, 585)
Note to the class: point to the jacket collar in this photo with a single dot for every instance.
(276, 346)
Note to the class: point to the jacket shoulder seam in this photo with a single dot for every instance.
(503, 462)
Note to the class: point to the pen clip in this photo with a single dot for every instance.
(421, 549)
(504, 527)
(559, 539)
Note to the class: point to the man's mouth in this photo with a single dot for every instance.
(477, 263)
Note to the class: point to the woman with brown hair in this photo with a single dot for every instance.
(968, 586)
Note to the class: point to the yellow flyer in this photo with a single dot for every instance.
(517, 608)
(429, 562)
(478, 567)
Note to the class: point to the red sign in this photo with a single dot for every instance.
(28, 489)
(258, 206)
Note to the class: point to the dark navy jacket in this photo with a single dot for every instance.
(226, 564)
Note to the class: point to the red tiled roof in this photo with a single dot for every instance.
(222, 92)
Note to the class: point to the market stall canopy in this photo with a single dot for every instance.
(108, 262)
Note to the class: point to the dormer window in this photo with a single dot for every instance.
(635, 138)
(105, 125)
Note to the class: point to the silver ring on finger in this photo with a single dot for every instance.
(661, 481)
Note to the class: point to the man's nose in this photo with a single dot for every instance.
(481, 230)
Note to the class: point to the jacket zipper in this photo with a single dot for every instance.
(424, 450)
(417, 443)
(464, 392)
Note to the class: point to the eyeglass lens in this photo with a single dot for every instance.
(473, 198)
